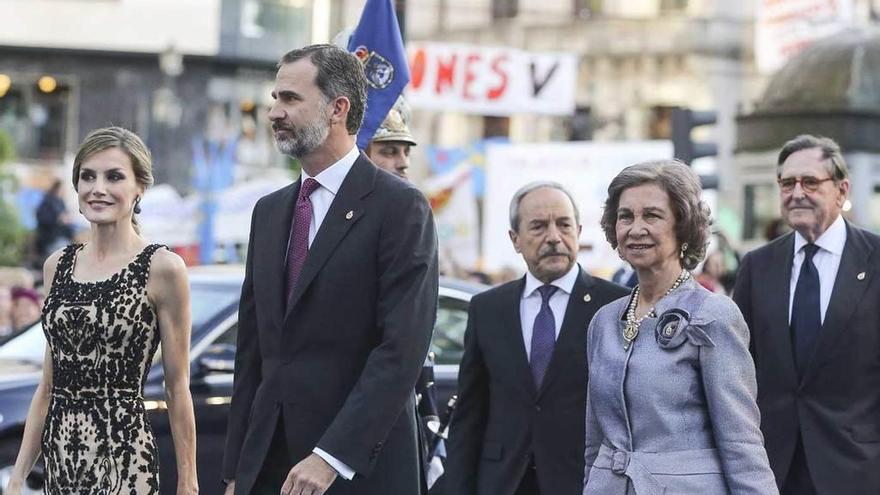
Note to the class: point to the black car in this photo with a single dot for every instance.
(214, 296)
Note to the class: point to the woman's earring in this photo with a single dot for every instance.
(684, 248)
(137, 205)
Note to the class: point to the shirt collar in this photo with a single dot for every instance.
(565, 282)
(331, 177)
(832, 240)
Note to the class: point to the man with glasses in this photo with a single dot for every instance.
(812, 301)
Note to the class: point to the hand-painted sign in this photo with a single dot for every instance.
(491, 81)
(785, 27)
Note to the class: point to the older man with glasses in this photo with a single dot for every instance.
(812, 301)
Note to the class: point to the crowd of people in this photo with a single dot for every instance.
(657, 384)
(20, 303)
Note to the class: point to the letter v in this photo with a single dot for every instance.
(537, 85)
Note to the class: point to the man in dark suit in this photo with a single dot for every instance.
(812, 301)
(520, 420)
(337, 306)
(625, 276)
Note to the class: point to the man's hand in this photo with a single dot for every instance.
(312, 476)
(230, 488)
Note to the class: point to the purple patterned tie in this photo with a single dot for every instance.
(299, 233)
(543, 335)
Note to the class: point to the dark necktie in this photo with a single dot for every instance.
(299, 233)
(806, 317)
(543, 336)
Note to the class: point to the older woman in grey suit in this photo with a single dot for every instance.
(671, 400)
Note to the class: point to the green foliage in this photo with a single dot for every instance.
(12, 234)
(293, 165)
(7, 148)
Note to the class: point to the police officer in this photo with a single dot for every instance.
(391, 144)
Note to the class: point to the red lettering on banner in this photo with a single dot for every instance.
(417, 69)
(497, 91)
(445, 74)
(469, 75)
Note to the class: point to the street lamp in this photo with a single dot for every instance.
(166, 106)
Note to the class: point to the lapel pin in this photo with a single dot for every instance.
(861, 276)
(587, 298)
(349, 215)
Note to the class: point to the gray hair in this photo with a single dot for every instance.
(339, 74)
(692, 216)
(830, 151)
(524, 190)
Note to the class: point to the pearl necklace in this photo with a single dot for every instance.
(631, 330)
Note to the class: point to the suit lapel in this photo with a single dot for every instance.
(778, 282)
(277, 235)
(845, 297)
(345, 210)
(574, 325)
(511, 336)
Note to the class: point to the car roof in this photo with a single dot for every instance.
(216, 274)
(234, 274)
(471, 288)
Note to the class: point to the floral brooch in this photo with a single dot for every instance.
(674, 327)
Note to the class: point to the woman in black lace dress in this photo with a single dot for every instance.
(111, 303)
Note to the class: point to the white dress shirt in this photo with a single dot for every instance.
(330, 180)
(530, 304)
(826, 259)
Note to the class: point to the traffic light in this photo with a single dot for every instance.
(684, 120)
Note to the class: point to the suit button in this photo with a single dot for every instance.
(538, 407)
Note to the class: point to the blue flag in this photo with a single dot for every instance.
(378, 44)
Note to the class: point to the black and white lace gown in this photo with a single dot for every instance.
(102, 337)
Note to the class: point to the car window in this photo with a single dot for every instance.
(448, 342)
(228, 337)
(206, 301)
(27, 346)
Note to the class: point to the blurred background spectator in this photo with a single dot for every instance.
(27, 305)
(54, 229)
(775, 228)
(713, 270)
(5, 311)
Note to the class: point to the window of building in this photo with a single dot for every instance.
(761, 210)
(35, 114)
(505, 9)
(496, 127)
(673, 5)
(660, 122)
(587, 8)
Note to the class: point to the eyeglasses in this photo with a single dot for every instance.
(808, 183)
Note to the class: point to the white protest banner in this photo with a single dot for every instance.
(455, 215)
(584, 168)
(491, 81)
(783, 28)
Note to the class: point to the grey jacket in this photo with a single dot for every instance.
(676, 413)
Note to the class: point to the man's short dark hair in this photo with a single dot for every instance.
(830, 151)
(339, 74)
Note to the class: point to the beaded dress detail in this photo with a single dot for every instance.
(102, 337)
